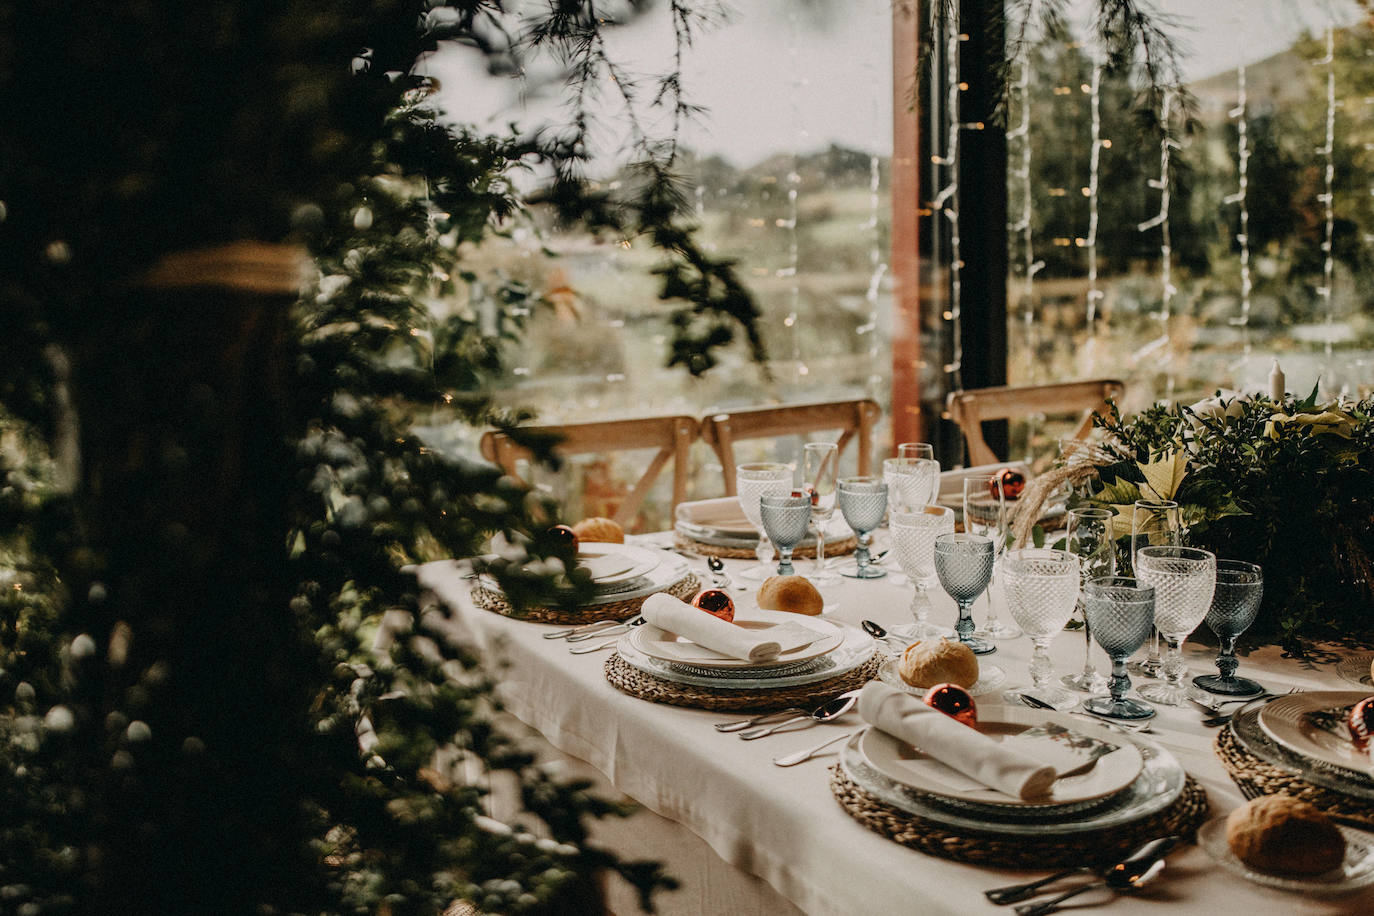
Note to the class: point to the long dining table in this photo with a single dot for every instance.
(744, 836)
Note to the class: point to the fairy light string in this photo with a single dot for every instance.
(1326, 198)
(1241, 116)
(1167, 145)
(793, 184)
(1095, 295)
(947, 198)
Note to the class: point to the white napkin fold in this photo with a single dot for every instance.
(707, 630)
(992, 763)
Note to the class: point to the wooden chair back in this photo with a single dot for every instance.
(854, 419)
(671, 436)
(971, 408)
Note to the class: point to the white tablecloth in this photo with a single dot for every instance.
(783, 824)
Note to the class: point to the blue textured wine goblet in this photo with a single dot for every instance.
(786, 519)
(863, 501)
(1120, 610)
(1235, 604)
(964, 564)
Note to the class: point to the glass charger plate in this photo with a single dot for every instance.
(718, 538)
(1158, 786)
(1246, 728)
(612, 564)
(990, 677)
(670, 569)
(1355, 669)
(1111, 773)
(1355, 872)
(856, 649)
(664, 645)
(1312, 725)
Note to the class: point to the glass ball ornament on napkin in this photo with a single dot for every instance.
(562, 534)
(1013, 484)
(955, 702)
(1361, 722)
(716, 602)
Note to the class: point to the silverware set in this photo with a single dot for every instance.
(599, 628)
(1217, 706)
(1141, 867)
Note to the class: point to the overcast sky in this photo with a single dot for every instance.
(786, 75)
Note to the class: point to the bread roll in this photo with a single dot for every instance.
(1286, 836)
(600, 530)
(925, 664)
(791, 593)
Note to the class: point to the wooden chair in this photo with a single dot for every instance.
(672, 436)
(854, 420)
(971, 408)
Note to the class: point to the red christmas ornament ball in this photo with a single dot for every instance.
(716, 602)
(1361, 721)
(955, 702)
(564, 535)
(1013, 483)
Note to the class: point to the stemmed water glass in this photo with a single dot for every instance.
(1120, 611)
(927, 451)
(1089, 537)
(985, 512)
(752, 481)
(820, 467)
(1041, 588)
(964, 564)
(863, 502)
(913, 540)
(1235, 604)
(1153, 522)
(1184, 579)
(786, 519)
(910, 482)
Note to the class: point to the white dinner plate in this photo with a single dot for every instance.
(612, 564)
(990, 677)
(670, 647)
(1355, 669)
(1355, 872)
(907, 765)
(1295, 722)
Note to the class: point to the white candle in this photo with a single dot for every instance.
(1276, 382)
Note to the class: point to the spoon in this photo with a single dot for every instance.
(719, 578)
(800, 756)
(583, 650)
(602, 631)
(1132, 873)
(872, 628)
(1017, 892)
(830, 709)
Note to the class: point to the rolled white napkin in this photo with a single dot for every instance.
(954, 744)
(707, 630)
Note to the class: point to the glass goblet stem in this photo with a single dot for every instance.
(1089, 670)
(764, 551)
(1175, 668)
(1041, 668)
(820, 545)
(1120, 680)
(1226, 659)
(964, 626)
(861, 555)
(920, 608)
(785, 567)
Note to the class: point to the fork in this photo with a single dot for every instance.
(742, 724)
(1225, 718)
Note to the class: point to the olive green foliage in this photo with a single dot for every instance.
(210, 499)
(1288, 485)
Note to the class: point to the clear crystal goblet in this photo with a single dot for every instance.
(752, 481)
(863, 503)
(910, 482)
(1153, 522)
(820, 467)
(1041, 588)
(1120, 611)
(923, 450)
(1089, 537)
(786, 519)
(985, 512)
(964, 564)
(1235, 604)
(913, 541)
(1184, 579)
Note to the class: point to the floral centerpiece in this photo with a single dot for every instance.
(1286, 484)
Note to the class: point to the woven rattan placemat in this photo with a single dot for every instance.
(832, 549)
(637, 683)
(1097, 847)
(490, 599)
(1255, 777)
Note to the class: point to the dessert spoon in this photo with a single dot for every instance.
(830, 709)
(1129, 874)
(800, 756)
